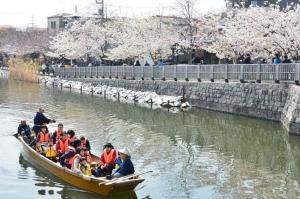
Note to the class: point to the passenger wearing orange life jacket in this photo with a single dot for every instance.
(62, 144)
(108, 159)
(74, 161)
(67, 158)
(72, 136)
(85, 143)
(57, 132)
(43, 136)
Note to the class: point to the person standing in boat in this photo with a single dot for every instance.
(125, 165)
(57, 132)
(66, 158)
(62, 144)
(39, 120)
(108, 158)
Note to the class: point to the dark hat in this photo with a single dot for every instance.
(60, 124)
(82, 138)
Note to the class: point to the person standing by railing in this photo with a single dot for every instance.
(277, 59)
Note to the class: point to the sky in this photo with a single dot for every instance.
(27, 13)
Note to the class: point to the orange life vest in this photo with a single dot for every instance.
(44, 137)
(83, 144)
(108, 158)
(58, 134)
(63, 145)
(73, 158)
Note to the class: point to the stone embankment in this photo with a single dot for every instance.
(277, 102)
(121, 94)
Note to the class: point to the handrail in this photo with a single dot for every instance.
(239, 72)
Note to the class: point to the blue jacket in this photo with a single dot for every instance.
(25, 128)
(67, 155)
(126, 168)
(38, 120)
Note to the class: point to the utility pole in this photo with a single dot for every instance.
(100, 10)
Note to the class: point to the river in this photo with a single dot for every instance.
(194, 154)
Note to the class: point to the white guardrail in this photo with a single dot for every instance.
(240, 72)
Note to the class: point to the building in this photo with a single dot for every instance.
(57, 23)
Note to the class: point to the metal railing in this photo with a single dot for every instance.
(240, 72)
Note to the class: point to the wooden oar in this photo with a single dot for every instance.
(123, 178)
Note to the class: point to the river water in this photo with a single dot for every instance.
(194, 154)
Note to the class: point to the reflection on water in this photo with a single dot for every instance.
(193, 154)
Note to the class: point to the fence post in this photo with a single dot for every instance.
(132, 73)
(64, 72)
(133, 68)
(152, 72)
(175, 72)
(142, 73)
(109, 72)
(212, 73)
(74, 70)
(91, 72)
(186, 73)
(123, 68)
(163, 73)
(198, 74)
(96, 71)
(242, 73)
(102, 71)
(117, 75)
(297, 74)
(277, 74)
(226, 73)
(258, 78)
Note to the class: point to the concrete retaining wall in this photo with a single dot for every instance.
(278, 102)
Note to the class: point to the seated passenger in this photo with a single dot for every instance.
(67, 158)
(95, 170)
(51, 152)
(108, 159)
(62, 144)
(88, 156)
(85, 143)
(42, 139)
(75, 161)
(126, 167)
(72, 136)
(85, 167)
(57, 132)
(24, 129)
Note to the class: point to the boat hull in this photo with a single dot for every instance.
(96, 185)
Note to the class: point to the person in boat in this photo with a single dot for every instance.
(72, 136)
(62, 144)
(95, 170)
(87, 155)
(85, 167)
(66, 158)
(125, 165)
(85, 143)
(75, 160)
(42, 139)
(39, 120)
(57, 132)
(24, 129)
(51, 152)
(108, 158)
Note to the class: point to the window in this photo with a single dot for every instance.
(53, 24)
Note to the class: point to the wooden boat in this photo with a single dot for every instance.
(97, 185)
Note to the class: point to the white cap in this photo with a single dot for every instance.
(124, 151)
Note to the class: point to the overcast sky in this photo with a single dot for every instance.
(23, 13)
